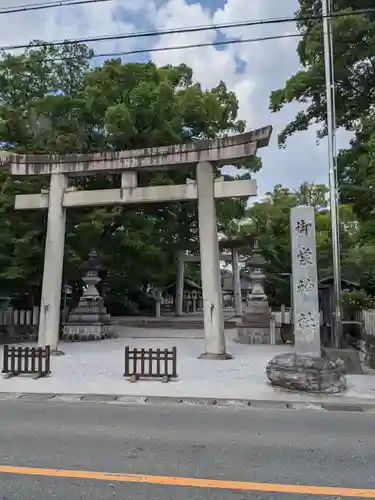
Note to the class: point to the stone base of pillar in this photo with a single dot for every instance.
(253, 335)
(80, 332)
(207, 355)
(254, 327)
(57, 352)
(88, 321)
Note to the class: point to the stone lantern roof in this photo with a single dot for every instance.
(93, 262)
(257, 260)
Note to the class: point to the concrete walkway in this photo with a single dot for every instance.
(190, 321)
(97, 368)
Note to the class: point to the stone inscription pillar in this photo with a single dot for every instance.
(210, 265)
(49, 320)
(305, 281)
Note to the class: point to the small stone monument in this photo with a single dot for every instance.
(89, 320)
(304, 369)
(254, 327)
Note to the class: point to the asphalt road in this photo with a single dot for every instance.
(228, 444)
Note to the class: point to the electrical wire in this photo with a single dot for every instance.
(46, 5)
(259, 22)
(195, 29)
(194, 46)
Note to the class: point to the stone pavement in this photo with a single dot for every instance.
(178, 325)
(96, 368)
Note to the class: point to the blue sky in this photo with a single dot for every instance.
(252, 70)
(211, 5)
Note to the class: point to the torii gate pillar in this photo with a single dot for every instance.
(49, 319)
(210, 265)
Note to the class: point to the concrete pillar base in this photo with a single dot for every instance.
(57, 352)
(207, 355)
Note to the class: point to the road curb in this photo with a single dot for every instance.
(355, 406)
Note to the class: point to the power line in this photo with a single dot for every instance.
(47, 5)
(195, 29)
(195, 46)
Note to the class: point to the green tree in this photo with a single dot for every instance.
(354, 43)
(270, 221)
(52, 101)
(357, 166)
(313, 194)
(354, 70)
(20, 243)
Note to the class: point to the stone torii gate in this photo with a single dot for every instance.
(234, 246)
(204, 155)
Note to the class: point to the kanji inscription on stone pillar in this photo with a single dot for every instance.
(305, 281)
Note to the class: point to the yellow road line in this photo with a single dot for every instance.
(191, 482)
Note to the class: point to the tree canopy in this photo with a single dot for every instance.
(354, 71)
(270, 221)
(53, 101)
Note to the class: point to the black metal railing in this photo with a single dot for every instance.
(26, 360)
(150, 363)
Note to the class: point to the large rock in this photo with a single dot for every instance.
(305, 373)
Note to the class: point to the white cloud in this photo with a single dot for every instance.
(264, 65)
(210, 66)
(62, 22)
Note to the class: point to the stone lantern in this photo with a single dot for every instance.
(91, 277)
(257, 263)
(254, 327)
(89, 320)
